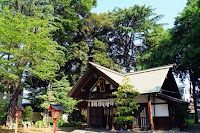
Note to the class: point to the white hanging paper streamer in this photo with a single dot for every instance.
(101, 103)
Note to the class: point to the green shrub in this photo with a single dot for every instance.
(39, 124)
(76, 116)
(3, 111)
(49, 121)
(190, 121)
(27, 114)
(60, 123)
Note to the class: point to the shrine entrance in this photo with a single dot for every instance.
(96, 117)
(101, 114)
(141, 117)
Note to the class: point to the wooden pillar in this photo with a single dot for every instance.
(107, 115)
(88, 115)
(150, 113)
(113, 126)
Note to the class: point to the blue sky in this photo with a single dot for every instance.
(169, 8)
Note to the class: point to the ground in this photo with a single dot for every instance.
(40, 130)
(191, 129)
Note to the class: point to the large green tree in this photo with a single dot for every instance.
(158, 53)
(132, 34)
(186, 48)
(39, 8)
(180, 45)
(67, 16)
(90, 44)
(26, 47)
(96, 31)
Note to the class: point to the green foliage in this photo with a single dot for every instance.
(90, 43)
(63, 87)
(125, 104)
(75, 117)
(49, 95)
(39, 8)
(3, 111)
(27, 114)
(179, 46)
(61, 123)
(96, 31)
(134, 32)
(33, 51)
(66, 16)
(157, 53)
(182, 113)
(96, 26)
(186, 37)
(27, 48)
(100, 55)
(186, 51)
(77, 60)
(39, 124)
(190, 121)
(46, 99)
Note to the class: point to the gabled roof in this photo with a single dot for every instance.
(56, 107)
(146, 81)
(116, 76)
(150, 80)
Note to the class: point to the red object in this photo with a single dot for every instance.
(18, 113)
(54, 125)
(55, 113)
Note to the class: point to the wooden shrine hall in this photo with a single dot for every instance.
(157, 104)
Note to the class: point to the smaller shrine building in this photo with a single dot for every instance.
(158, 103)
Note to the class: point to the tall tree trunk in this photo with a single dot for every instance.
(13, 103)
(45, 118)
(195, 102)
(193, 80)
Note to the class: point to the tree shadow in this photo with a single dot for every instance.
(7, 130)
(70, 129)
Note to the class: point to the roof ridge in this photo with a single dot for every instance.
(151, 69)
(105, 68)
